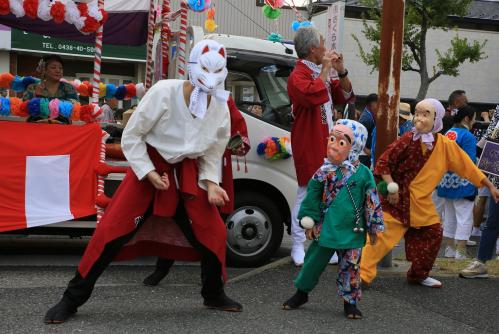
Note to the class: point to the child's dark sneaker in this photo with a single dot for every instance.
(298, 299)
(351, 311)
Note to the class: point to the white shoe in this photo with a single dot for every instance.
(470, 243)
(460, 255)
(431, 282)
(298, 255)
(449, 252)
(476, 232)
(334, 259)
(476, 269)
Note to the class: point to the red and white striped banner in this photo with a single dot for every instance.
(165, 37)
(150, 37)
(181, 63)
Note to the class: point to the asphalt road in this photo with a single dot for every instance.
(120, 304)
(35, 270)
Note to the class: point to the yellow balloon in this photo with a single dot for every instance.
(210, 25)
(102, 89)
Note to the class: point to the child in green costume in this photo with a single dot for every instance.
(340, 208)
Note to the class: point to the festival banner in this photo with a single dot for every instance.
(47, 174)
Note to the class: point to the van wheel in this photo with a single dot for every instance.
(254, 230)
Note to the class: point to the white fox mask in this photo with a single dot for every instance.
(207, 73)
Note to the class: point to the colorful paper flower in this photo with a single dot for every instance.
(31, 8)
(58, 10)
(196, 5)
(34, 107)
(271, 13)
(4, 7)
(15, 106)
(6, 80)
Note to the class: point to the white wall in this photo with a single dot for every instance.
(479, 80)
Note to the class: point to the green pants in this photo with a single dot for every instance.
(316, 260)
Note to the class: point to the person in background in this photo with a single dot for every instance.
(405, 118)
(312, 94)
(108, 109)
(456, 100)
(459, 194)
(368, 119)
(51, 69)
(4, 92)
(490, 233)
(405, 125)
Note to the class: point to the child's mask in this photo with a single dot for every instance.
(339, 144)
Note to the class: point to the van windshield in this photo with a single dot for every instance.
(274, 81)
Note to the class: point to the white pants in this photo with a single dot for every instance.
(458, 219)
(297, 233)
(439, 205)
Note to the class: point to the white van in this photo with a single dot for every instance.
(264, 196)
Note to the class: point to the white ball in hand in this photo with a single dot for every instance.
(392, 187)
(307, 223)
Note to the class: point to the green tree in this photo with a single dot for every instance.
(421, 16)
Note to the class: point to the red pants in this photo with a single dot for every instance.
(421, 247)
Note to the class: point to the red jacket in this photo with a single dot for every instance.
(237, 126)
(310, 130)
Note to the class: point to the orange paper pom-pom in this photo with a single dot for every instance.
(210, 14)
(6, 80)
(75, 116)
(24, 109)
(82, 89)
(15, 106)
(131, 91)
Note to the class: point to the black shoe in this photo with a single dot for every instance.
(351, 311)
(223, 303)
(59, 313)
(298, 299)
(156, 277)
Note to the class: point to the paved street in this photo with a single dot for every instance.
(120, 304)
(33, 277)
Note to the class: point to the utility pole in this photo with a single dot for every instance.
(392, 33)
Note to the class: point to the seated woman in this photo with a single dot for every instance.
(51, 87)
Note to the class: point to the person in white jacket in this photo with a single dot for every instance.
(167, 204)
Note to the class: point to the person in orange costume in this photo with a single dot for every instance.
(412, 167)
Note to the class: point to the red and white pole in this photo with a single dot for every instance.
(97, 59)
(181, 67)
(150, 36)
(165, 38)
(95, 99)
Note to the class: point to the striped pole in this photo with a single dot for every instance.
(165, 37)
(150, 36)
(95, 99)
(100, 178)
(181, 68)
(97, 59)
(299, 17)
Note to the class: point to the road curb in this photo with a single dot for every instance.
(259, 270)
